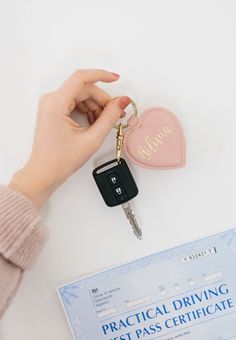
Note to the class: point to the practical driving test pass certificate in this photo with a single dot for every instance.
(187, 292)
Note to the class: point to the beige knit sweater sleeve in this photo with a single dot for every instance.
(22, 237)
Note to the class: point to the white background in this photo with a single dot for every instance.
(176, 54)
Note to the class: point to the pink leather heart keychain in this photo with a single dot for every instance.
(155, 140)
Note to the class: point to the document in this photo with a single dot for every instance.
(187, 292)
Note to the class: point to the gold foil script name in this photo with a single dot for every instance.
(151, 144)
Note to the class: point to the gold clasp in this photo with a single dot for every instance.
(124, 126)
(119, 142)
(120, 127)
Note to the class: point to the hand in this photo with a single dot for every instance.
(61, 146)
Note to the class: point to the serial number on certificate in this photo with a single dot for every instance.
(199, 254)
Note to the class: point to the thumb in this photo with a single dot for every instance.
(109, 116)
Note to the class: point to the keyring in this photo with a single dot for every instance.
(117, 126)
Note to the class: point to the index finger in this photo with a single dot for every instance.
(79, 78)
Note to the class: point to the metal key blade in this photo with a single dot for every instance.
(132, 220)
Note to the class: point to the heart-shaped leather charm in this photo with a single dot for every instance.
(155, 140)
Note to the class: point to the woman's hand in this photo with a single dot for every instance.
(61, 146)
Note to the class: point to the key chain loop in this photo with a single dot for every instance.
(119, 142)
(124, 126)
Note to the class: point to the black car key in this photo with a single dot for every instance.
(117, 187)
(116, 184)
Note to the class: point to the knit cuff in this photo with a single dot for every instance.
(22, 235)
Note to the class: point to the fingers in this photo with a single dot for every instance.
(97, 113)
(95, 75)
(94, 110)
(93, 100)
(91, 117)
(91, 105)
(83, 108)
(93, 92)
(91, 109)
(109, 116)
(73, 85)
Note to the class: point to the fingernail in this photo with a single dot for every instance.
(115, 74)
(123, 102)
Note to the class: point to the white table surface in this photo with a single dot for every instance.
(176, 54)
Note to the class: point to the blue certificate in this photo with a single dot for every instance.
(187, 292)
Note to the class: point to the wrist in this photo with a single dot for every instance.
(32, 185)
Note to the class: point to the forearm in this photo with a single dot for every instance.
(33, 184)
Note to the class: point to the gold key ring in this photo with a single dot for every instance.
(117, 126)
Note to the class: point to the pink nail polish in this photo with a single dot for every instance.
(115, 74)
(124, 102)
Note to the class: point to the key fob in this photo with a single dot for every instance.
(116, 183)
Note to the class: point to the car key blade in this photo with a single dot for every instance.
(132, 220)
